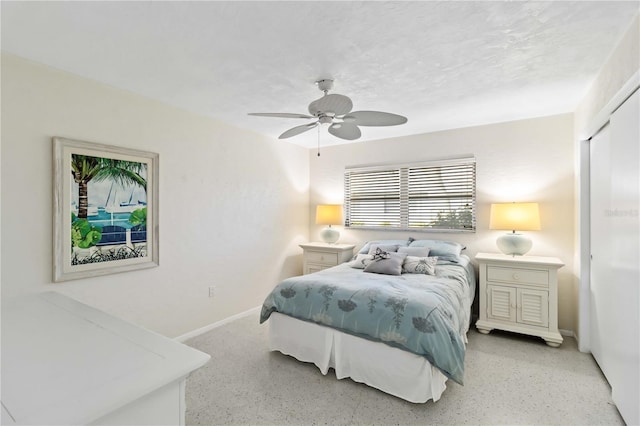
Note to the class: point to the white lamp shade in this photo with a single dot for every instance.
(329, 214)
(515, 217)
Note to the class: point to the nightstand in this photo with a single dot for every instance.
(519, 294)
(319, 256)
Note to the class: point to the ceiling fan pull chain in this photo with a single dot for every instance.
(318, 141)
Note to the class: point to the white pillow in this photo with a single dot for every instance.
(361, 261)
(419, 265)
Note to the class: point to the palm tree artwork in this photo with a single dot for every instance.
(87, 233)
(105, 215)
(85, 168)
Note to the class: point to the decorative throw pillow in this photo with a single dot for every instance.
(414, 251)
(361, 261)
(388, 263)
(384, 247)
(420, 265)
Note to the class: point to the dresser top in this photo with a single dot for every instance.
(64, 362)
(519, 260)
(327, 247)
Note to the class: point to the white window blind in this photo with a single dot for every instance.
(434, 196)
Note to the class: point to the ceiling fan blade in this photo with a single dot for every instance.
(297, 130)
(336, 104)
(374, 118)
(279, 115)
(346, 131)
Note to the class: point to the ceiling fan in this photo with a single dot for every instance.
(335, 110)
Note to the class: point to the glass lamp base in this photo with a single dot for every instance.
(514, 244)
(329, 235)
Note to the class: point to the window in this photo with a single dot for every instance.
(434, 196)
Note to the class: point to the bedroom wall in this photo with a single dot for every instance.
(233, 204)
(622, 63)
(526, 160)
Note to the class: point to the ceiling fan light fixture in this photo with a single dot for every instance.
(325, 85)
(332, 107)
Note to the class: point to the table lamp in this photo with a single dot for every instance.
(329, 214)
(515, 217)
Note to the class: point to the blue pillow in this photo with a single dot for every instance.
(444, 250)
(415, 251)
(368, 244)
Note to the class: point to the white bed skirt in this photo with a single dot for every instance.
(391, 370)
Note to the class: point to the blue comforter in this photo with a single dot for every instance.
(424, 314)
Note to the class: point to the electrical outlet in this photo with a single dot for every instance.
(212, 291)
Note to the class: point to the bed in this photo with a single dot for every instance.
(400, 331)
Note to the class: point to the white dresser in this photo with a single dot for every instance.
(319, 256)
(519, 294)
(66, 363)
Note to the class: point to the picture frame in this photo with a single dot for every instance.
(105, 209)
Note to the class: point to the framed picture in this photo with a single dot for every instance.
(105, 209)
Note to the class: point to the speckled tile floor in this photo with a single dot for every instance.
(509, 380)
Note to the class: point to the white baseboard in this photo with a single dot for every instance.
(571, 333)
(210, 327)
(202, 330)
(568, 333)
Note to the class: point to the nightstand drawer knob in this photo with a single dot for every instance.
(516, 276)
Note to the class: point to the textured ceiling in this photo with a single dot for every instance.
(441, 64)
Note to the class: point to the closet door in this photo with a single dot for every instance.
(615, 249)
(625, 255)
(602, 298)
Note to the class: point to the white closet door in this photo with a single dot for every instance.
(615, 247)
(625, 232)
(602, 298)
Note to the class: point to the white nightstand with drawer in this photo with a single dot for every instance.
(319, 256)
(519, 294)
